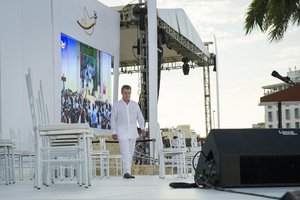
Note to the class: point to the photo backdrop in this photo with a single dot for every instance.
(85, 84)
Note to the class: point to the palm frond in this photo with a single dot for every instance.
(272, 16)
(255, 15)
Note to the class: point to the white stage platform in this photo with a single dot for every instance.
(142, 187)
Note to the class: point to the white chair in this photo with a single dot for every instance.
(65, 145)
(7, 161)
(101, 155)
(116, 163)
(170, 156)
(193, 150)
(23, 158)
(58, 144)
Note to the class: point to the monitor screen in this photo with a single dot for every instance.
(85, 84)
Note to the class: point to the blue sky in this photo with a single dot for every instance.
(245, 65)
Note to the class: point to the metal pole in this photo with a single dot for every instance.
(279, 115)
(153, 154)
(217, 83)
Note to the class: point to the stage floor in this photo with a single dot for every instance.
(142, 187)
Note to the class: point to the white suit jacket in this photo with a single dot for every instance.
(124, 119)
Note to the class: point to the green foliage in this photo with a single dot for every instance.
(272, 17)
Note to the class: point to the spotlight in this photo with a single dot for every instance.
(214, 62)
(185, 66)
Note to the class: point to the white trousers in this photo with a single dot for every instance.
(127, 147)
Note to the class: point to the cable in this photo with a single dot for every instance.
(245, 193)
(205, 184)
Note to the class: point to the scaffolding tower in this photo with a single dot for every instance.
(134, 16)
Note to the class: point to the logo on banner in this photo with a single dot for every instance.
(282, 132)
(88, 21)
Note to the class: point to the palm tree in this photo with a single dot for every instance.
(272, 16)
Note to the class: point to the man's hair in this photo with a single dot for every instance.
(125, 87)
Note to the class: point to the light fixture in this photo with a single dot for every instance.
(214, 62)
(185, 66)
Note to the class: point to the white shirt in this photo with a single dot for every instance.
(124, 119)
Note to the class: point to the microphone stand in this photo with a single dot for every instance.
(279, 107)
(279, 104)
(291, 82)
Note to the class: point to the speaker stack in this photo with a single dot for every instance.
(250, 158)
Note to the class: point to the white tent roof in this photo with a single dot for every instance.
(179, 21)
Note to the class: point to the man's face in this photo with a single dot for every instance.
(126, 93)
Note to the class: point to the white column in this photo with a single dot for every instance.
(0, 92)
(116, 90)
(152, 57)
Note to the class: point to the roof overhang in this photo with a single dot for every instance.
(288, 96)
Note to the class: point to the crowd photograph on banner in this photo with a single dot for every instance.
(86, 84)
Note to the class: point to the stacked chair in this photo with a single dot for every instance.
(7, 170)
(61, 150)
(173, 156)
(23, 158)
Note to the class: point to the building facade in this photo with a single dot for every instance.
(290, 110)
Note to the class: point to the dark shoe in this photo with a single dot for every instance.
(127, 175)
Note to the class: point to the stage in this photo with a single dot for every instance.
(142, 187)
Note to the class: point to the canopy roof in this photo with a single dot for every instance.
(182, 38)
(179, 21)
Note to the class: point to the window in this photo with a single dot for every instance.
(288, 125)
(287, 114)
(270, 117)
(296, 113)
(297, 125)
(270, 126)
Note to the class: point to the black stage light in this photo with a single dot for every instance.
(214, 62)
(185, 66)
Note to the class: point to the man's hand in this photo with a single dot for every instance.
(115, 137)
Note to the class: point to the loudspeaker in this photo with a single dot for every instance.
(250, 157)
(291, 195)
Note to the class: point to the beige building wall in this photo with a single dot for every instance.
(185, 129)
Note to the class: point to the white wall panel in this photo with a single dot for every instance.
(31, 39)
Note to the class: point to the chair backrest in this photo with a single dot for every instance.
(174, 143)
(31, 101)
(31, 141)
(15, 137)
(181, 139)
(194, 142)
(102, 144)
(44, 115)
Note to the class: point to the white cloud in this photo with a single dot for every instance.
(289, 51)
(207, 12)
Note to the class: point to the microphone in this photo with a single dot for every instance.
(284, 79)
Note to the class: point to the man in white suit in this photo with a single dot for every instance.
(124, 118)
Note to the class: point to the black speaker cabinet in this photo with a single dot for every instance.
(250, 157)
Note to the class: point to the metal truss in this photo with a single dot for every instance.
(174, 41)
(183, 46)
